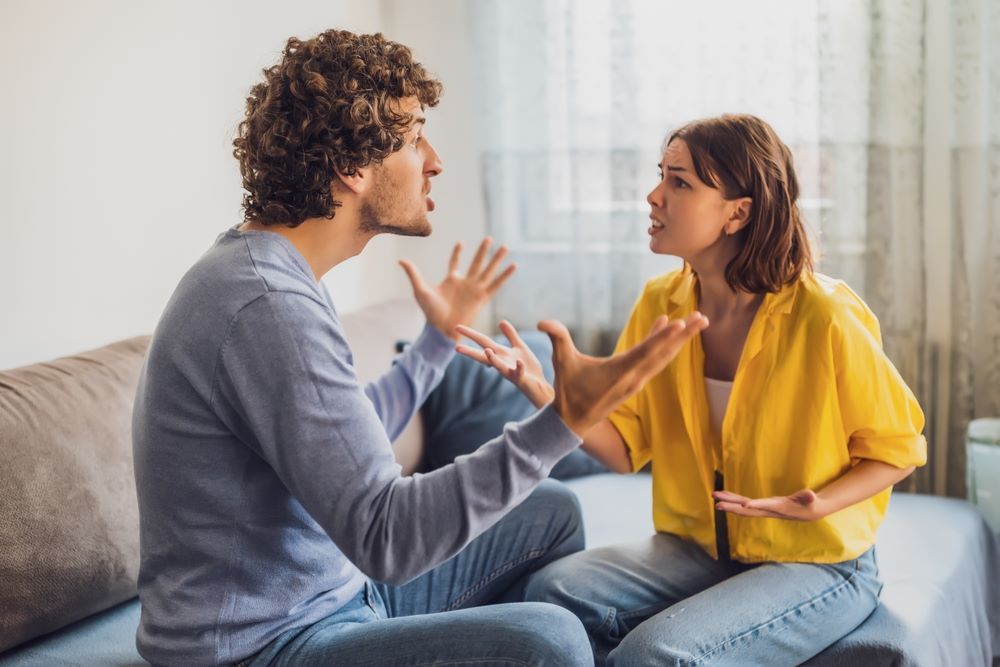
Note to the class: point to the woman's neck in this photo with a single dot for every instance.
(717, 300)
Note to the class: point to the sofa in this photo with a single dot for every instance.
(69, 547)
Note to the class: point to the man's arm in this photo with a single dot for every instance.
(415, 373)
(284, 376)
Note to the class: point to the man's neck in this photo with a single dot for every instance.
(324, 243)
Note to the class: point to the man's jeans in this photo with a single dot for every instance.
(664, 601)
(439, 618)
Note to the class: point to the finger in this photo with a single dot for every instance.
(508, 330)
(497, 362)
(659, 324)
(494, 264)
(477, 337)
(780, 505)
(736, 508)
(651, 355)
(729, 496)
(456, 255)
(498, 282)
(416, 280)
(661, 346)
(472, 353)
(477, 260)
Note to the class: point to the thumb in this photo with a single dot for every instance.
(414, 275)
(562, 343)
(804, 497)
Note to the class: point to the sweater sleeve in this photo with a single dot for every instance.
(285, 382)
(415, 373)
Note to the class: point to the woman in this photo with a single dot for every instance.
(774, 437)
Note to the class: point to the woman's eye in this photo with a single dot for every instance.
(679, 183)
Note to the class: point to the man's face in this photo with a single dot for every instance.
(398, 201)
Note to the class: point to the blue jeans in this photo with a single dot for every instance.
(440, 618)
(664, 601)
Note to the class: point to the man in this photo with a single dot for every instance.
(276, 527)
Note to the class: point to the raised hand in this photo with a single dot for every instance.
(517, 363)
(459, 298)
(802, 505)
(588, 389)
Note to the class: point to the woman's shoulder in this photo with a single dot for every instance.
(832, 302)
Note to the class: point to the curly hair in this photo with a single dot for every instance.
(330, 105)
(742, 156)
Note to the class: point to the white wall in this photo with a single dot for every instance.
(116, 170)
(438, 33)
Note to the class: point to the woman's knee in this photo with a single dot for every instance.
(653, 647)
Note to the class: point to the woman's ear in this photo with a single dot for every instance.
(739, 215)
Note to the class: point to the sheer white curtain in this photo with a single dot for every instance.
(890, 107)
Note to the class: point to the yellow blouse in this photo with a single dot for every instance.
(813, 394)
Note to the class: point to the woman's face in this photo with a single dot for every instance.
(688, 216)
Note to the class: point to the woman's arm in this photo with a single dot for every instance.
(864, 480)
(606, 444)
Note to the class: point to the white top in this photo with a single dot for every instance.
(718, 392)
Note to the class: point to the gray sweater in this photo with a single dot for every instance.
(267, 487)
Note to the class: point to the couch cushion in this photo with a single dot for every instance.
(106, 639)
(69, 535)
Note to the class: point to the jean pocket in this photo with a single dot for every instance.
(372, 599)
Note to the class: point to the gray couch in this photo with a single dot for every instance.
(69, 538)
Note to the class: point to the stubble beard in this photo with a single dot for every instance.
(384, 211)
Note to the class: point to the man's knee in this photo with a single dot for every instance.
(556, 502)
(555, 635)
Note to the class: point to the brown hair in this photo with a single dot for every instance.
(330, 105)
(741, 155)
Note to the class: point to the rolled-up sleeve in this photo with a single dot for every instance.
(880, 414)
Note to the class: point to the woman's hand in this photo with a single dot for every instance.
(864, 480)
(517, 363)
(459, 298)
(802, 505)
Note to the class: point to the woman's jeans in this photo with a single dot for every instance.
(439, 618)
(664, 601)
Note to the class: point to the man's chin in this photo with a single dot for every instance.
(416, 228)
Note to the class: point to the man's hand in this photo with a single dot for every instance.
(802, 505)
(459, 298)
(588, 389)
(516, 363)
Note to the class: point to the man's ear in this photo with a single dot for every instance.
(358, 182)
(739, 215)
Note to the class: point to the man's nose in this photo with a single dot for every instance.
(432, 163)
